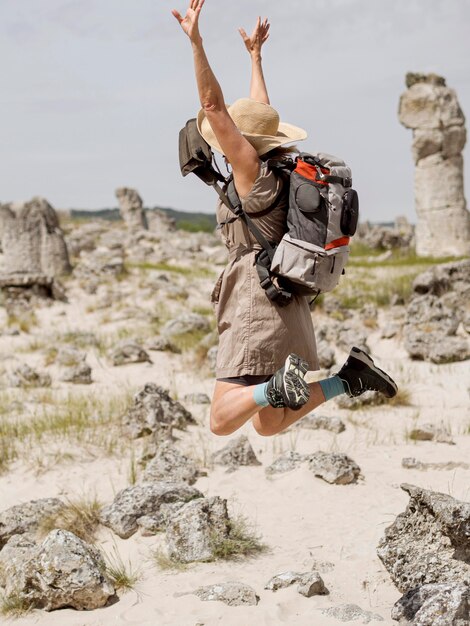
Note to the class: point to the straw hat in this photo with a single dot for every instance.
(256, 121)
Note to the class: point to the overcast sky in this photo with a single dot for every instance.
(94, 92)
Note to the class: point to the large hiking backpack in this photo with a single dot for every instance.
(322, 215)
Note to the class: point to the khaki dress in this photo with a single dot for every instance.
(256, 335)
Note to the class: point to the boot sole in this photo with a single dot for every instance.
(362, 356)
(296, 388)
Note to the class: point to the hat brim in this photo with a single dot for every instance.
(287, 133)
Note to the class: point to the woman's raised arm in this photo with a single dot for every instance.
(258, 89)
(238, 151)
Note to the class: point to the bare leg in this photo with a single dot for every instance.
(233, 405)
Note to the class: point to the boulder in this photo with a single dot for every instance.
(285, 579)
(334, 467)
(352, 613)
(197, 398)
(194, 531)
(144, 499)
(237, 452)
(27, 517)
(129, 352)
(231, 593)
(186, 323)
(25, 376)
(429, 542)
(286, 463)
(322, 422)
(170, 465)
(163, 344)
(154, 409)
(311, 584)
(431, 432)
(443, 604)
(63, 572)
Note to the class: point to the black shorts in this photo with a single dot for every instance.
(246, 381)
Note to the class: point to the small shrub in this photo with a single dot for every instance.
(121, 574)
(242, 540)
(165, 562)
(402, 398)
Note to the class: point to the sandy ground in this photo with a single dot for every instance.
(305, 521)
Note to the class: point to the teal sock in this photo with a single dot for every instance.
(332, 387)
(259, 395)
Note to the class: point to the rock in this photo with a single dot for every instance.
(32, 241)
(318, 422)
(99, 264)
(194, 531)
(311, 584)
(286, 463)
(170, 465)
(444, 604)
(163, 344)
(26, 376)
(236, 453)
(144, 499)
(431, 432)
(326, 355)
(351, 613)
(390, 330)
(429, 542)
(350, 334)
(231, 593)
(154, 410)
(211, 358)
(76, 369)
(131, 208)
(27, 517)
(412, 463)
(280, 581)
(432, 110)
(129, 352)
(197, 398)
(153, 524)
(334, 467)
(63, 572)
(368, 398)
(186, 323)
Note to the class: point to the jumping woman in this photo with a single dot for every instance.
(264, 350)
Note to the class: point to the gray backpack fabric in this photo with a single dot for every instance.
(322, 216)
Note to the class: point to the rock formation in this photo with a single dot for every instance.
(32, 240)
(33, 246)
(428, 543)
(131, 208)
(432, 111)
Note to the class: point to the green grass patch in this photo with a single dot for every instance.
(194, 272)
(188, 341)
(355, 292)
(401, 258)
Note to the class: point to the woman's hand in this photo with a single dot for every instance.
(258, 36)
(190, 22)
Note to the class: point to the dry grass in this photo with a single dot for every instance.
(242, 541)
(14, 605)
(81, 517)
(122, 575)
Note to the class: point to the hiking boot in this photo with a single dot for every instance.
(359, 374)
(287, 387)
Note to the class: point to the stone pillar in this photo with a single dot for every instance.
(32, 240)
(131, 208)
(432, 111)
